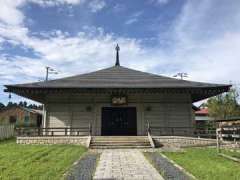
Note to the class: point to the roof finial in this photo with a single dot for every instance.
(117, 56)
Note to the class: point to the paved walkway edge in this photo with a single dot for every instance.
(84, 168)
(179, 167)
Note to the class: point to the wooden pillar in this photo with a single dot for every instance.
(44, 116)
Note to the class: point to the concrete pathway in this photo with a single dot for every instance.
(125, 165)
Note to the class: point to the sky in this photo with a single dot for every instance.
(201, 38)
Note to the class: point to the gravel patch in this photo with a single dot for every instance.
(166, 168)
(84, 169)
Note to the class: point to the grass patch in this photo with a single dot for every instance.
(232, 153)
(36, 161)
(204, 163)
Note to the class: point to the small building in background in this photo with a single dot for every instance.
(202, 119)
(21, 116)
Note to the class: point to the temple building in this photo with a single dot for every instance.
(119, 101)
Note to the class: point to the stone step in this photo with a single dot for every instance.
(119, 147)
(112, 141)
(116, 137)
(117, 142)
(93, 139)
(120, 144)
(124, 138)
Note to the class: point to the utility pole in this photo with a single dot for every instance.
(9, 97)
(47, 69)
(181, 75)
(50, 70)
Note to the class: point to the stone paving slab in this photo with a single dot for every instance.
(125, 165)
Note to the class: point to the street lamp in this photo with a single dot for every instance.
(181, 75)
(50, 70)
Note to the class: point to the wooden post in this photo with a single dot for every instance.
(234, 134)
(218, 141)
(65, 131)
(44, 119)
(39, 131)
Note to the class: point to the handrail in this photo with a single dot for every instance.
(90, 129)
(149, 135)
(148, 127)
(90, 135)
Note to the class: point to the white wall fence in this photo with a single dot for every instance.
(6, 131)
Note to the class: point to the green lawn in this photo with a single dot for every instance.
(235, 154)
(205, 164)
(36, 161)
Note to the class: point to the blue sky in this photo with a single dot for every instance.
(201, 38)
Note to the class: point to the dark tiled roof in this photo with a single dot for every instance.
(117, 77)
(34, 111)
(203, 111)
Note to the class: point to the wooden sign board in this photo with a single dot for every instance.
(119, 100)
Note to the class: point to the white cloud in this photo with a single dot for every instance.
(206, 52)
(9, 12)
(199, 22)
(134, 18)
(29, 68)
(96, 5)
(159, 2)
(131, 21)
(46, 3)
(81, 48)
(119, 8)
(207, 40)
(162, 1)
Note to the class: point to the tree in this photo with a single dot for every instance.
(20, 103)
(10, 104)
(224, 105)
(24, 104)
(1, 106)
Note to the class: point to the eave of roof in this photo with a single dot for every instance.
(119, 77)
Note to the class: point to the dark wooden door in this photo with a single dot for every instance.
(118, 121)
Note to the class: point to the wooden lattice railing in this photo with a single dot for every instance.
(181, 131)
(54, 131)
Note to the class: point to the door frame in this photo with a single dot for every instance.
(119, 107)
